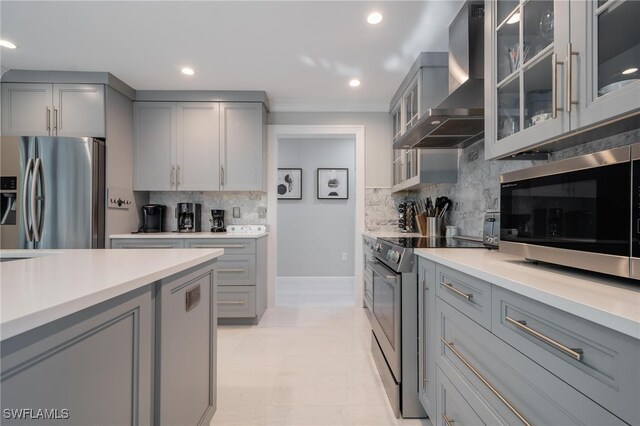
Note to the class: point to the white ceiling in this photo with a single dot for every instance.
(303, 53)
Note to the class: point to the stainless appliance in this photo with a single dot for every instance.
(394, 341)
(491, 229)
(60, 196)
(188, 215)
(153, 218)
(582, 212)
(217, 221)
(458, 120)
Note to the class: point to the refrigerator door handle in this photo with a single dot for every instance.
(37, 178)
(25, 216)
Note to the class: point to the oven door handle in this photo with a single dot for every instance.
(382, 271)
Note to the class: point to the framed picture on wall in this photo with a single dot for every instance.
(333, 184)
(289, 184)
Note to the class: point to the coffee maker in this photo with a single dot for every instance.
(217, 221)
(152, 218)
(188, 215)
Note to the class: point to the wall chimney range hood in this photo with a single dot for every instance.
(458, 120)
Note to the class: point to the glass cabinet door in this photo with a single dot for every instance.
(411, 106)
(528, 71)
(396, 123)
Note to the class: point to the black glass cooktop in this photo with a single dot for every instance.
(433, 242)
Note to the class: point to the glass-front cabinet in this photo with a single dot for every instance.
(557, 66)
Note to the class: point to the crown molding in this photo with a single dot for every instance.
(281, 105)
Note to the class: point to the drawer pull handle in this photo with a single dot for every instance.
(231, 270)
(574, 353)
(149, 247)
(466, 296)
(222, 246)
(447, 420)
(231, 302)
(486, 383)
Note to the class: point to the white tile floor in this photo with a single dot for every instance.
(307, 365)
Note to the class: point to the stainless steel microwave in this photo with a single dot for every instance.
(583, 212)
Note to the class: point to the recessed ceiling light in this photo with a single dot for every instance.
(515, 18)
(188, 71)
(630, 71)
(354, 83)
(374, 18)
(7, 44)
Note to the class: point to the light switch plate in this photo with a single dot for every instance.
(236, 212)
(262, 212)
(119, 198)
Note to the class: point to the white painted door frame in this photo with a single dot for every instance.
(279, 132)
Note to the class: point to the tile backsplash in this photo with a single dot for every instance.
(249, 202)
(478, 187)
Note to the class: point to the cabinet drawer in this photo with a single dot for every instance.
(236, 302)
(517, 390)
(452, 408)
(607, 370)
(149, 243)
(230, 246)
(236, 270)
(469, 295)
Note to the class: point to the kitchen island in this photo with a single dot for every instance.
(108, 336)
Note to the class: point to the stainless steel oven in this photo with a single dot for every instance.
(582, 212)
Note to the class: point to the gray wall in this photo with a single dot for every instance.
(119, 163)
(377, 136)
(312, 233)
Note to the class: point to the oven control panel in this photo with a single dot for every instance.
(398, 258)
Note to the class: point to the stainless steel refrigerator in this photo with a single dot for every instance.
(60, 201)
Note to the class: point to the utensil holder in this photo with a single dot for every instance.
(432, 226)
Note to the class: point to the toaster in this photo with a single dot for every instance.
(491, 232)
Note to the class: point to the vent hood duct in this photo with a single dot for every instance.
(458, 120)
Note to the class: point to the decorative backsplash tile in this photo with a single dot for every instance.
(380, 210)
(249, 202)
(478, 187)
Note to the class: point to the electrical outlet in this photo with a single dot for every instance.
(262, 212)
(236, 212)
(344, 256)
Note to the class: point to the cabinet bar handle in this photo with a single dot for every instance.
(574, 353)
(231, 270)
(554, 85)
(146, 247)
(221, 175)
(447, 420)
(178, 176)
(570, 54)
(172, 176)
(475, 372)
(231, 302)
(466, 296)
(48, 118)
(222, 246)
(55, 120)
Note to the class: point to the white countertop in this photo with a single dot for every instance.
(609, 301)
(152, 235)
(56, 283)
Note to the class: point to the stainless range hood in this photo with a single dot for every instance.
(458, 120)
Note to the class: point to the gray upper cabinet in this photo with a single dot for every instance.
(565, 66)
(36, 109)
(154, 142)
(242, 146)
(199, 146)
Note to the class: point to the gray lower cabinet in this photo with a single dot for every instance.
(452, 408)
(426, 336)
(186, 348)
(97, 364)
(468, 294)
(501, 384)
(602, 363)
(148, 243)
(244, 263)
(367, 273)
